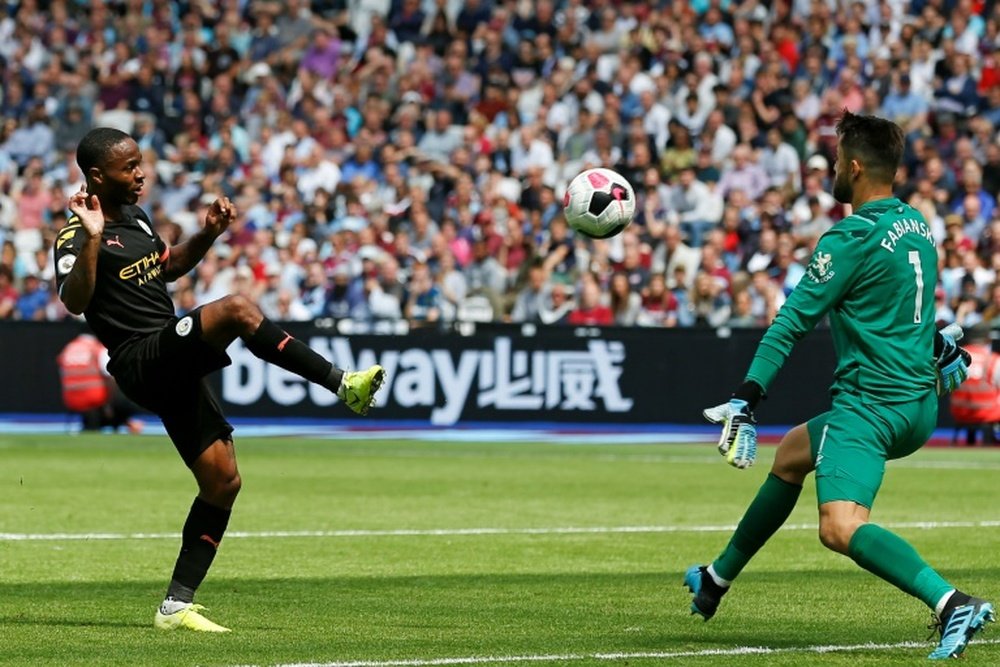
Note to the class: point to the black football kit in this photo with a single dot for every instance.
(158, 359)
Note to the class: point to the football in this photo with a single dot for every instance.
(599, 203)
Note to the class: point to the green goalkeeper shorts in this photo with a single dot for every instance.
(851, 443)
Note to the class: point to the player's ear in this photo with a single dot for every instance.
(856, 169)
(95, 175)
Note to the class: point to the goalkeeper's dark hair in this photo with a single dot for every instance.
(875, 142)
(93, 149)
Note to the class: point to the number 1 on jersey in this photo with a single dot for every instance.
(914, 258)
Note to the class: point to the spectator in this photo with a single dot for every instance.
(742, 315)
(765, 296)
(708, 302)
(290, 308)
(34, 139)
(424, 297)
(590, 311)
(658, 306)
(744, 174)
(697, 207)
(484, 275)
(70, 130)
(991, 313)
(786, 271)
(452, 285)
(673, 252)
(625, 303)
(8, 295)
(34, 297)
(315, 288)
(531, 300)
(806, 103)
(560, 306)
(905, 107)
(679, 152)
(781, 162)
(339, 302)
(957, 93)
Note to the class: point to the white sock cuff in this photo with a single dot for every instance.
(172, 606)
(719, 581)
(939, 607)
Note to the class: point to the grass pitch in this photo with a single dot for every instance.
(401, 553)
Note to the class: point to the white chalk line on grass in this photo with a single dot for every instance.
(642, 655)
(457, 532)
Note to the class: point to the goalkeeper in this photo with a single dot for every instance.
(874, 275)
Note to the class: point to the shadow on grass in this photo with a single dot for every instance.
(409, 617)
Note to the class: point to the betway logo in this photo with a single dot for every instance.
(502, 378)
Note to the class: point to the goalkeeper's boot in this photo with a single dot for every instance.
(357, 390)
(960, 625)
(706, 593)
(185, 617)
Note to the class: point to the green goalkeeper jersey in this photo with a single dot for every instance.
(874, 273)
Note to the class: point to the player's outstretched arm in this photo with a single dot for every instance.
(185, 256)
(77, 289)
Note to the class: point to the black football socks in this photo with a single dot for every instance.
(200, 539)
(274, 345)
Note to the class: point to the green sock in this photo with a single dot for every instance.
(890, 557)
(769, 509)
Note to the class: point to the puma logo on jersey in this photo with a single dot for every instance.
(115, 241)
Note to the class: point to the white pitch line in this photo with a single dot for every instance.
(643, 655)
(454, 532)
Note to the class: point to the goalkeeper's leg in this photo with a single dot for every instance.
(767, 512)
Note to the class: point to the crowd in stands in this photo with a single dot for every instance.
(405, 159)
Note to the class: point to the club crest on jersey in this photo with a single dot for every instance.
(183, 327)
(821, 267)
(145, 227)
(115, 241)
(65, 264)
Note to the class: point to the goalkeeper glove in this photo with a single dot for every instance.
(738, 442)
(952, 361)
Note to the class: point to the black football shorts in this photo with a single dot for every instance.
(164, 372)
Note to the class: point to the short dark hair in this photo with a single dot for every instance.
(93, 149)
(875, 142)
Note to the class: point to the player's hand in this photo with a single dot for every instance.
(87, 208)
(220, 215)
(952, 361)
(738, 442)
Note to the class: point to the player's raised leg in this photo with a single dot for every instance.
(232, 317)
(218, 485)
(767, 512)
